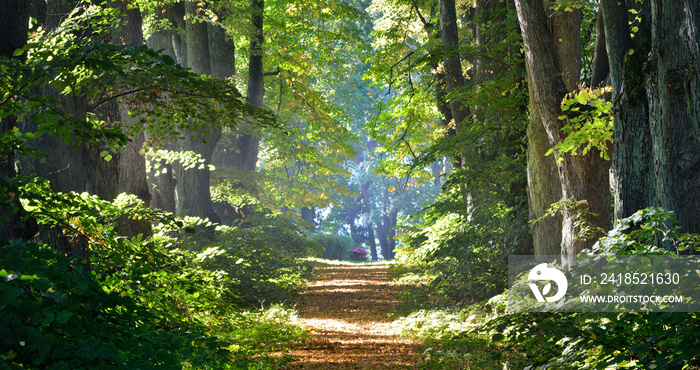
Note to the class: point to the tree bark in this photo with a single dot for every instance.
(365, 193)
(372, 242)
(193, 185)
(14, 21)
(601, 65)
(132, 163)
(576, 173)
(657, 136)
(673, 86)
(454, 78)
(543, 187)
(632, 166)
(162, 185)
(246, 157)
(308, 214)
(180, 40)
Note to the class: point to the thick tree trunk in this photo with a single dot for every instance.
(372, 242)
(368, 210)
(392, 233)
(454, 78)
(179, 39)
(383, 241)
(633, 177)
(14, 21)
(248, 141)
(386, 231)
(193, 185)
(543, 187)
(656, 138)
(75, 166)
(222, 52)
(567, 45)
(547, 80)
(162, 185)
(132, 164)
(673, 86)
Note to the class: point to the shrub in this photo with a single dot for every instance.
(336, 246)
(261, 261)
(358, 254)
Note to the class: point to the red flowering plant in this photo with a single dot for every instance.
(358, 254)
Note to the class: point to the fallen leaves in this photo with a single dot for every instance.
(347, 308)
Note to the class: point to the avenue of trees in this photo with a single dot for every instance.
(166, 165)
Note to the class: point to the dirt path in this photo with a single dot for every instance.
(347, 308)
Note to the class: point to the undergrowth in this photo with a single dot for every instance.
(460, 335)
(187, 297)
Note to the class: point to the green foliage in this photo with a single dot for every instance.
(467, 248)
(173, 305)
(578, 212)
(589, 123)
(336, 247)
(648, 231)
(599, 340)
(433, 325)
(257, 334)
(168, 99)
(61, 318)
(260, 261)
(665, 340)
(187, 159)
(453, 339)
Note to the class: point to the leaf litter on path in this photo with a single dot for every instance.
(347, 308)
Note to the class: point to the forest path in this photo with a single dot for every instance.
(347, 309)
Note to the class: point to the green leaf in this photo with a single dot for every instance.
(63, 316)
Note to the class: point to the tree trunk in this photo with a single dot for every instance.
(132, 164)
(633, 177)
(673, 86)
(249, 140)
(14, 21)
(162, 185)
(656, 139)
(222, 51)
(391, 238)
(543, 187)
(372, 242)
(308, 214)
(382, 235)
(193, 185)
(576, 173)
(370, 227)
(454, 78)
(601, 65)
(179, 39)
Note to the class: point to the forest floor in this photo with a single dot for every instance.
(348, 308)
